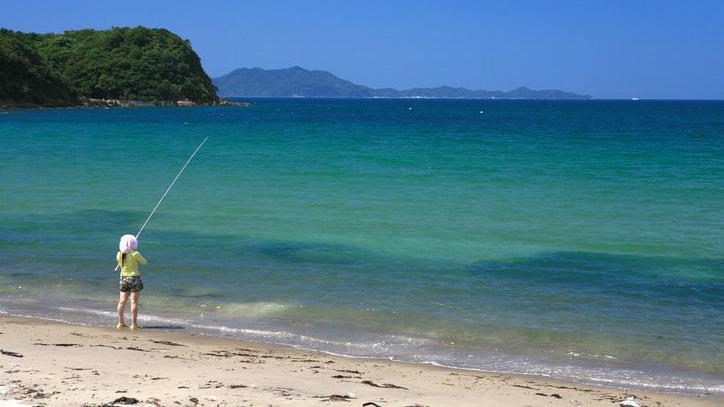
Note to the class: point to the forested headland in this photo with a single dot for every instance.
(127, 64)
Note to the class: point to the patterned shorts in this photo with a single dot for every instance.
(131, 284)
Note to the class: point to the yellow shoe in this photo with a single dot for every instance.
(121, 326)
(134, 327)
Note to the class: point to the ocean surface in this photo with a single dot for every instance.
(582, 240)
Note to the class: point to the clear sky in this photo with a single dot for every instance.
(606, 48)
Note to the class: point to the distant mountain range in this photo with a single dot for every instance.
(300, 82)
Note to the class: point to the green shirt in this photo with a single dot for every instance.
(129, 268)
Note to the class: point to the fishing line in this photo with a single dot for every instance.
(168, 189)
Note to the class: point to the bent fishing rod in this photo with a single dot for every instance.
(150, 215)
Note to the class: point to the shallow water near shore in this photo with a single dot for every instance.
(581, 240)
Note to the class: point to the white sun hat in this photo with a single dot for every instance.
(127, 244)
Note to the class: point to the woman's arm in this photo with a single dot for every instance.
(139, 258)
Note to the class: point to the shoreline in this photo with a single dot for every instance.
(173, 368)
(118, 103)
(343, 344)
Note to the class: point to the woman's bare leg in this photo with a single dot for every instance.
(122, 307)
(134, 306)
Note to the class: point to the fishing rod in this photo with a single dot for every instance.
(166, 192)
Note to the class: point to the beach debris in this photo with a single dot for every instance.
(166, 343)
(237, 386)
(10, 353)
(124, 400)
(554, 395)
(173, 357)
(194, 400)
(337, 397)
(383, 385)
(106, 346)
(57, 344)
(522, 386)
(370, 404)
(212, 384)
(136, 349)
(244, 350)
(36, 393)
(284, 391)
(347, 371)
(227, 354)
(629, 401)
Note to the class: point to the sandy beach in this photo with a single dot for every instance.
(53, 364)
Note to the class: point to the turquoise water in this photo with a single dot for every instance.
(582, 240)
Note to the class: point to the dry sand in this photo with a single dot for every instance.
(51, 364)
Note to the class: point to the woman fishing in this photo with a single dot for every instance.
(130, 284)
(128, 259)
